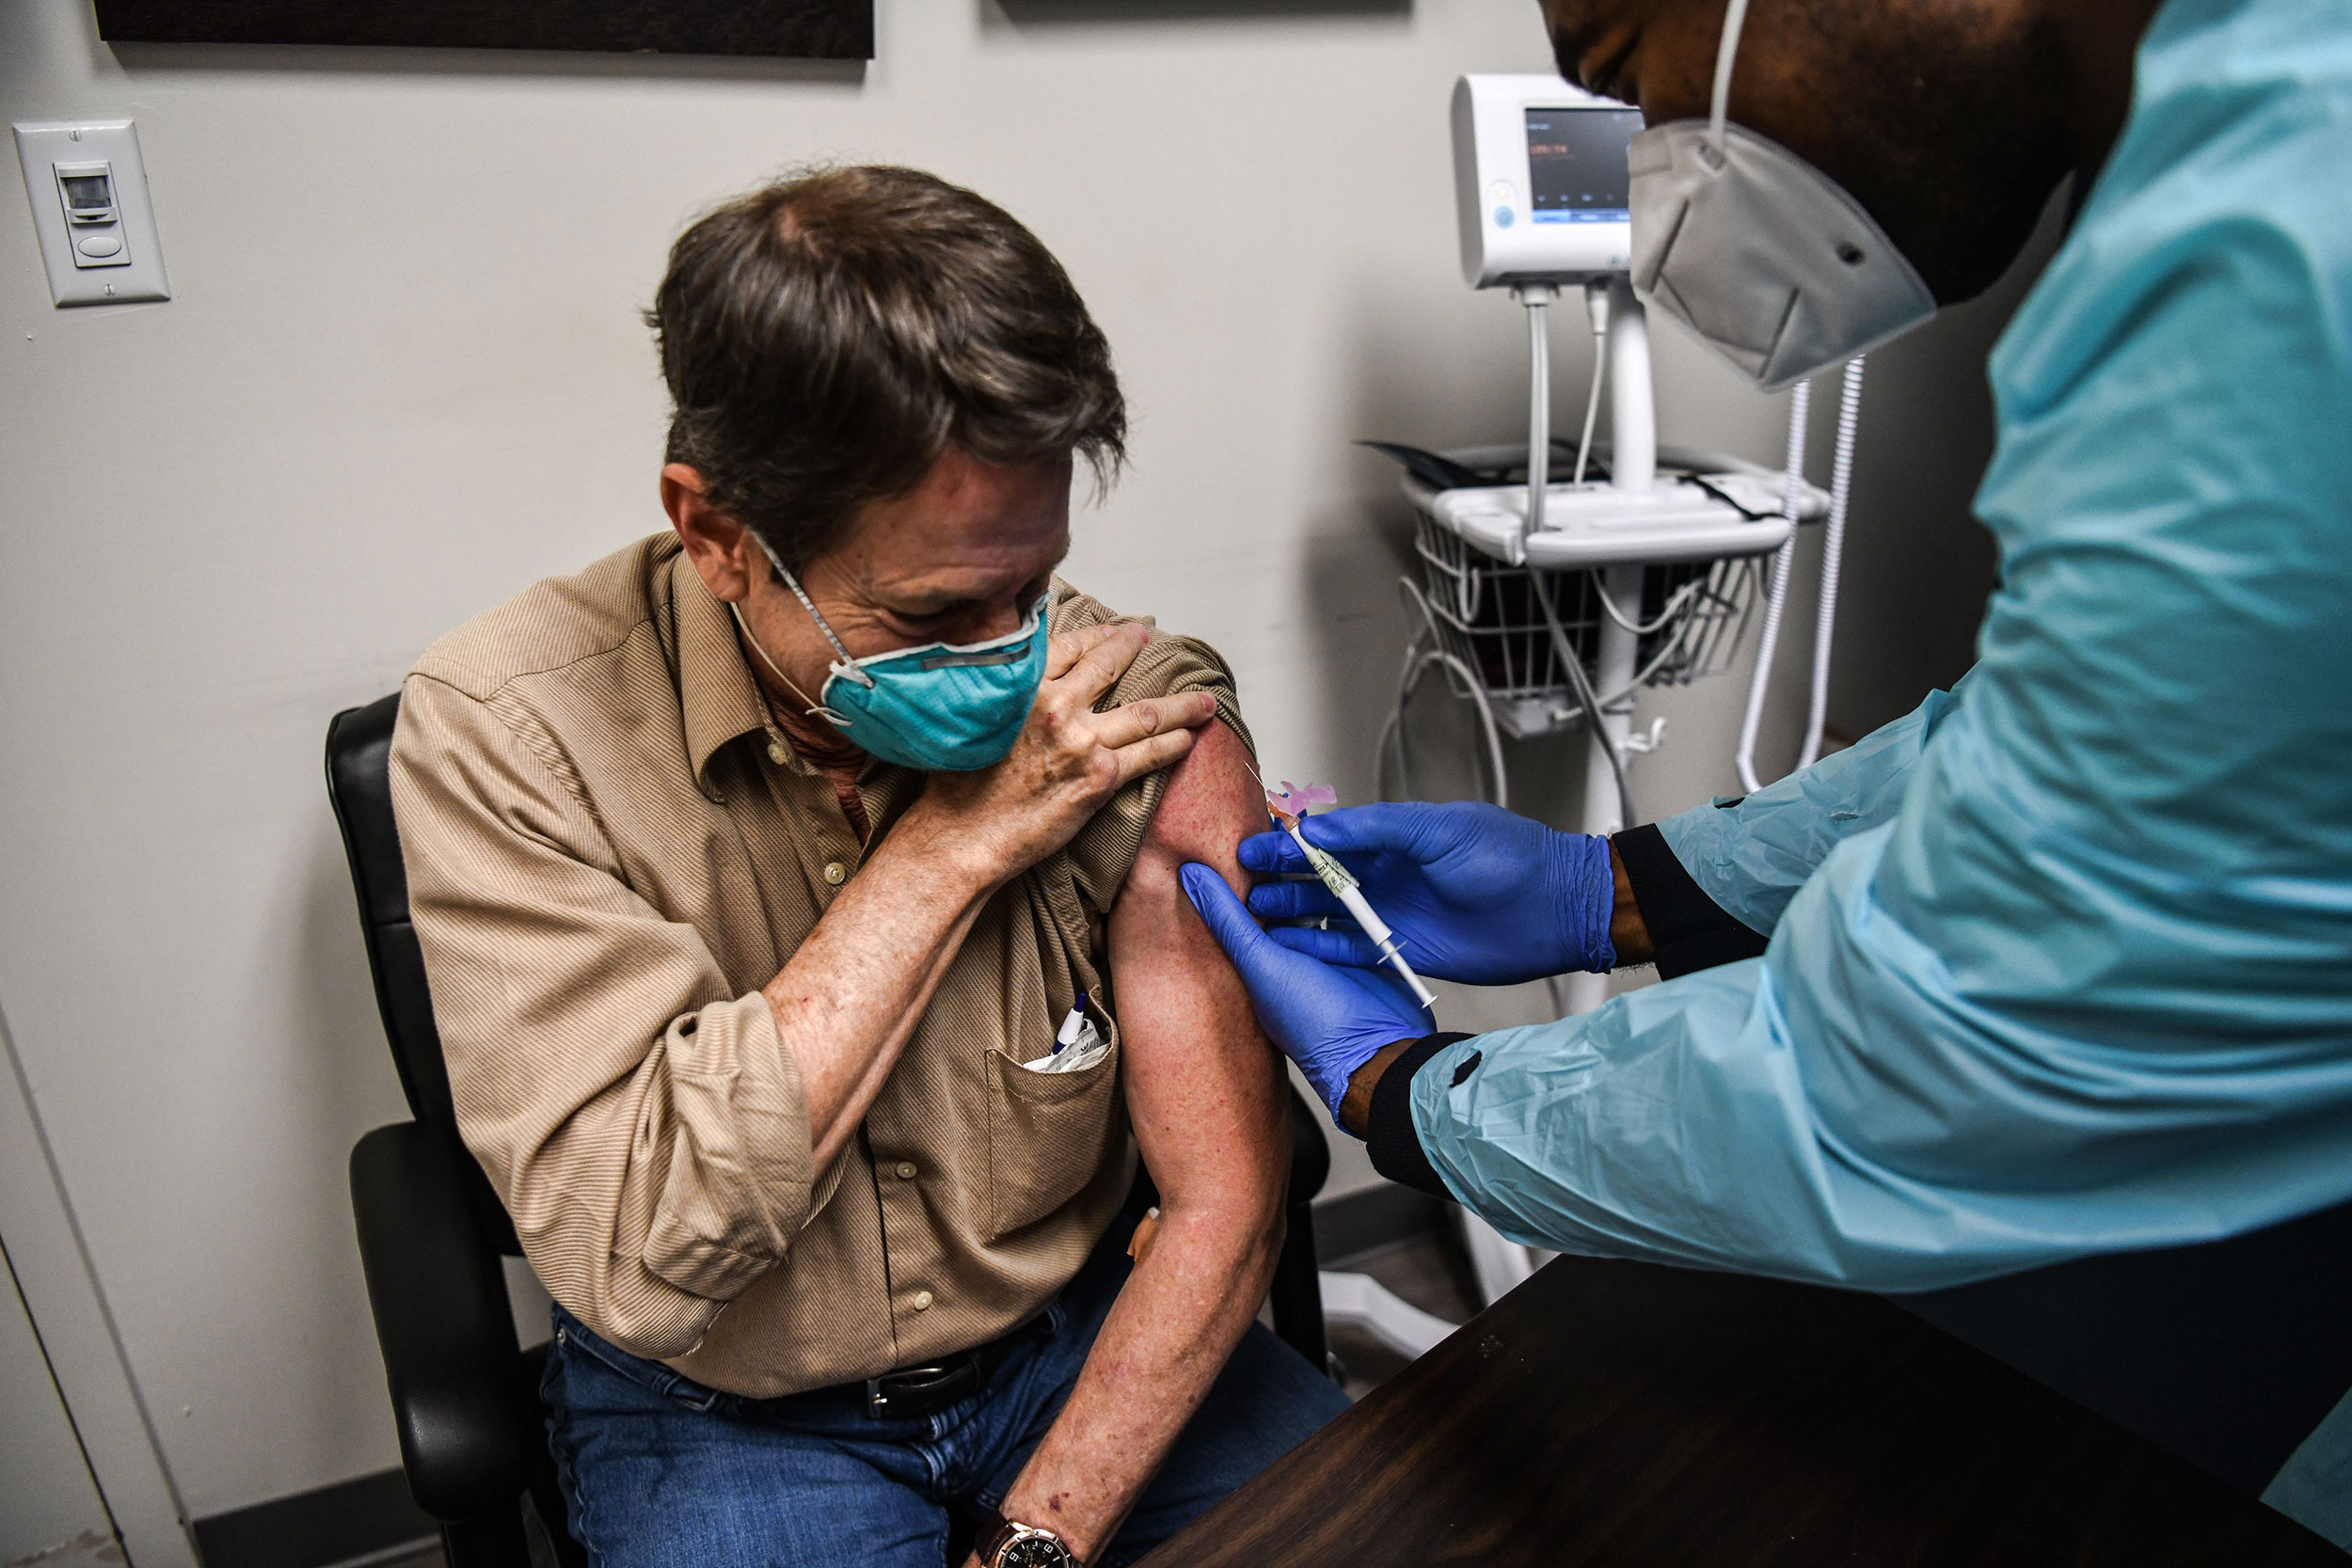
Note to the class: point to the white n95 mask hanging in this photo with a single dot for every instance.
(1763, 255)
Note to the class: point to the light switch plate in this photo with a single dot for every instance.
(113, 280)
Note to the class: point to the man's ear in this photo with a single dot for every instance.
(722, 549)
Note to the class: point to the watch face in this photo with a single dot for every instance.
(1034, 1551)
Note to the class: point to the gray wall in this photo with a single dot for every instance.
(404, 377)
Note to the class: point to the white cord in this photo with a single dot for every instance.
(1768, 641)
(1575, 668)
(1595, 307)
(1641, 678)
(1418, 659)
(1642, 629)
(1833, 548)
(1417, 662)
(1726, 50)
(1592, 408)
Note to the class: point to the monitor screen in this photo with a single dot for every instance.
(1576, 169)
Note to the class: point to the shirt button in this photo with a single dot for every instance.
(837, 873)
(922, 1301)
(776, 752)
(906, 1170)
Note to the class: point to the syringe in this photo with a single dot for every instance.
(1344, 888)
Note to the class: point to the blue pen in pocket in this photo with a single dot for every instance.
(1077, 1044)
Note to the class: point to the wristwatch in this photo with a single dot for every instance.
(1010, 1545)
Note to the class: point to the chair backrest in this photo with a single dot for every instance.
(359, 783)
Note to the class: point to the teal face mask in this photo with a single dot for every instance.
(941, 707)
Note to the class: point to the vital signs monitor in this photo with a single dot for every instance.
(1540, 182)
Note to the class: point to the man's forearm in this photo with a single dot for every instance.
(849, 998)
(1207, 1099)
(1188, 1303)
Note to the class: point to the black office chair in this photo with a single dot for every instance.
(465, 1394)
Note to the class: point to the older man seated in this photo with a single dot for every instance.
(758, 868)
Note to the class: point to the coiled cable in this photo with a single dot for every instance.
(1784, 561)
(1833, 551)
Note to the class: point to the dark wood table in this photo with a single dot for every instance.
(1630, 1414)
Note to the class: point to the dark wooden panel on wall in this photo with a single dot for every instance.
(801, 29)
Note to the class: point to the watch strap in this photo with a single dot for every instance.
(998, 1532)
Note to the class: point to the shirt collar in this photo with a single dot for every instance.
(716, 693)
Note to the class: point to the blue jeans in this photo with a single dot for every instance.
(661, 1472)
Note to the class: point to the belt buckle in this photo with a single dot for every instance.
(878, 1397)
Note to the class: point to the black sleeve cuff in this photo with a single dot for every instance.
(1389, 1135)
(1688, 930)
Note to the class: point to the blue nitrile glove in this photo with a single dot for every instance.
(1329, 1020)
(1473, 892)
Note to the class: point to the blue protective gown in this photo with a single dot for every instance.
(2062, 962)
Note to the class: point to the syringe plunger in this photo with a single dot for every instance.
(1344, 888)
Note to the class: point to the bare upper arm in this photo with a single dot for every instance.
(1204, 1087)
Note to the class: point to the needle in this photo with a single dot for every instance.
(1344, 888)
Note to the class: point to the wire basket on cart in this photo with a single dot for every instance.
(1481, 621)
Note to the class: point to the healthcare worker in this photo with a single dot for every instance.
(2062, 961)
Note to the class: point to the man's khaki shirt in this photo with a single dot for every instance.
(611, 849)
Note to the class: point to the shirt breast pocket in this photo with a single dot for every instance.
(1049, 1135)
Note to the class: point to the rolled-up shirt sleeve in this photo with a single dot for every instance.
(644, 1125)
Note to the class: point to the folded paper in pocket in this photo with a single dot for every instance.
(1079, 1045)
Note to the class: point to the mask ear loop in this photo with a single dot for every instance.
(1735, 18)
(847, 665)
(816, 709)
